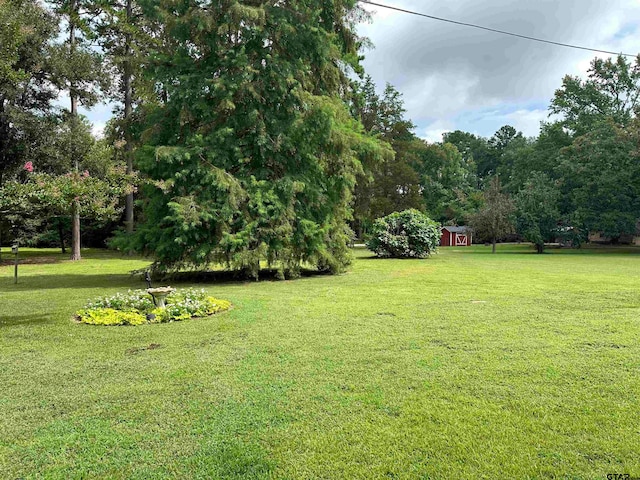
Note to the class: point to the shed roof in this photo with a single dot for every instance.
(456, 229)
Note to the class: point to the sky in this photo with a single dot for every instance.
(458, 78)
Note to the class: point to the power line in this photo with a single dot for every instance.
(526, 37)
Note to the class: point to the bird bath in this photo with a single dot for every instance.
(159, 295)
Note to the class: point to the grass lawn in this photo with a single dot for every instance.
(467, 365)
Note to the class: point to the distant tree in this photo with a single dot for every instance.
(446, 181)
(515, 163)
(396, 185)
(486, 158)
(503, 137)
(100, 160)
(508, 147)
(612, 90)
(547, 151)
(602, 171)
(391, 185)
(592, 151)
(494, 219)
(537, 213)
(475, 151)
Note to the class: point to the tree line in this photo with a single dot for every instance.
(247, 131)
(581, 173)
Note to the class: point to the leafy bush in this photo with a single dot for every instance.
(405, 234)
(132, 308)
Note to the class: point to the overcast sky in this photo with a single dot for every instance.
(454, 77)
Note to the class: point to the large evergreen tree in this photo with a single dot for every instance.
(251, 152)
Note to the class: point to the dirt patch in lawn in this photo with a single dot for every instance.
(29, 261)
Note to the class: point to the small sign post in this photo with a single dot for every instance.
(14, 250)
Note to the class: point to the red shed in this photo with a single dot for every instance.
(453, 236)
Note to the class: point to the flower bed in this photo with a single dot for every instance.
(136, 308)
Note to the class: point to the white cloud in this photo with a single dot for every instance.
(527, 121)
(433, 132)
(97, 128)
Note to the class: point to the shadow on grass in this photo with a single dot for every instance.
(229, 276)
(24, 320)
(69, 281)
(373, 256)
(135, 280)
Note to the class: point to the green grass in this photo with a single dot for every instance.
(466, 365)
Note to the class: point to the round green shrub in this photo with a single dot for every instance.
(406, 234)
(136, 308)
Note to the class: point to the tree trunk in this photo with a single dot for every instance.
(61, 234)
(493, 245)
(357, 229)
(128, 94)
(75, 209)
(539, 247)
(75, 232)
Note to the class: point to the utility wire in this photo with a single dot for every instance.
(495, 30)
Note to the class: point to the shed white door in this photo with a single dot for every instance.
(461, 240)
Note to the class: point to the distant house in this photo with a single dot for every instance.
(453, 236)
(624, 238)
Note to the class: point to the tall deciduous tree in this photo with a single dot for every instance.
(27, 80)
(494, 219)
(600, 173)
(81, 74)
(603, 172)
(612, 90)
(252, 153)
(508, 146)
